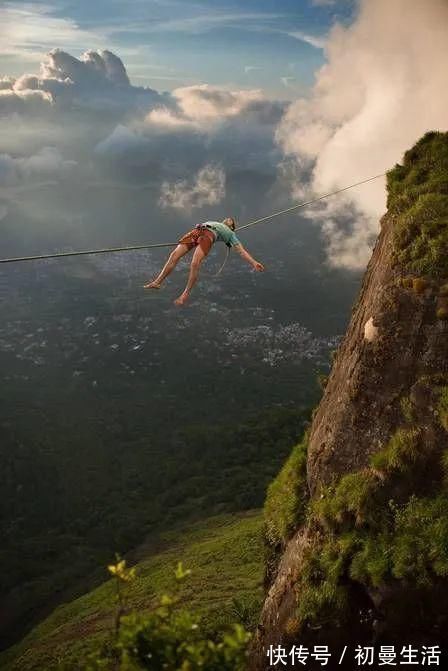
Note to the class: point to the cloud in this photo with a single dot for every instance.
(380, 90)
(3, 211)
(251, 68)
(202, 105)
(6, 83)
(208, 21)
(288, 81)
(29, 28)
(22, 101)
(98, 81)
(234, 127)
(313, 40)
(92, 67)
(47, 163)
(26, 181)
(207, 188)
(121, 140)
(85, 155)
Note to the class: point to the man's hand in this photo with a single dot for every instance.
(256, 265)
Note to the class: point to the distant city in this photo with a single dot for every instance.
(48, 321)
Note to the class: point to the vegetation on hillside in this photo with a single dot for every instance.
(225, 557)
(285, 504)
(95, 500)
(168, 637)
(418, 200)
(376, 525)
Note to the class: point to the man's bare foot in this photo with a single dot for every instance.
(183, 298)
(152, 285)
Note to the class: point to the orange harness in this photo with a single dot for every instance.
(198, 236)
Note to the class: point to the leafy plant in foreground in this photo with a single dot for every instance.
(168, 637)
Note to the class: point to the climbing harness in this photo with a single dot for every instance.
(226, 258)
(111, 250)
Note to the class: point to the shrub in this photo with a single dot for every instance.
(402, 449)
(321, 593)
(348, 500)
(168, 637)
(420, 543)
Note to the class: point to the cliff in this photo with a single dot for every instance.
(357, 521)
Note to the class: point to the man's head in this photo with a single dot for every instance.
(230, 222)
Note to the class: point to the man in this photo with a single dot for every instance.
(201, 240)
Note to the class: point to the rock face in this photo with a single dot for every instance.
(367, 561)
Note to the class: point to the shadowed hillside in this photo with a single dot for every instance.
(225, 556)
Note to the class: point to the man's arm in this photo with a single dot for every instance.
(247, 257)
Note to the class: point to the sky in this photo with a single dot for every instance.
(166, 43)
(127, 121)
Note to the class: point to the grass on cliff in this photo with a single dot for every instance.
(365, 536)
(442, 407)
(286, 497)
(361, 534)
(418, 197)
(409, 541)
(403, 449)
(225, 556)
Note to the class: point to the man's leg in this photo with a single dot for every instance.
(169, 266)
(198, 256)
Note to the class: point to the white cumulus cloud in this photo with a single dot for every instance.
(48, 163)
(382, 87)
(97, 81)
(81, 144)
(203, 105)
(207, 188)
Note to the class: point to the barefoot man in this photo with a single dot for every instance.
(201, 240)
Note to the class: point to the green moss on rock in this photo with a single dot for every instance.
(320, 588)
(414, 545)
(362, 535)
(420, 542)
(403, 448)
(442, 407)
(348, 500)
(442, 311)
(418, 200)
(407, 408)
(419, 285)
(409, 541)
(371, 563)
(286, 497)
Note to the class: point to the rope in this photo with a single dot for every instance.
(226, 258)
(111, 250)
(309, 202)
(108, 250)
